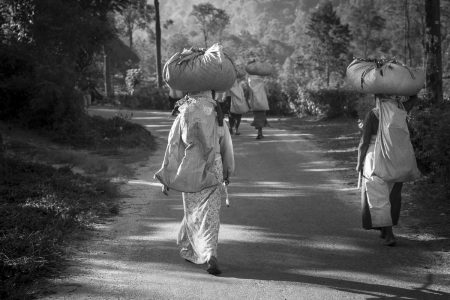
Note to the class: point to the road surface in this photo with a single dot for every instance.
(292, 232)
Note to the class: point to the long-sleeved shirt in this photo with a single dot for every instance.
(195, 141)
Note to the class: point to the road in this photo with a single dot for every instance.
(292, 232)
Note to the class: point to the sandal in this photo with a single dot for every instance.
(213, 267)
(390, 242)
(382, 233)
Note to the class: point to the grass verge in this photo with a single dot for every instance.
(41, 207)
(51, 193)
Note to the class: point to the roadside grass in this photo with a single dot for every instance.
(52, 193)
(41, 207)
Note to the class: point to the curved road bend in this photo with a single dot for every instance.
(292, 232)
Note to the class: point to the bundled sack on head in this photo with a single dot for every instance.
(255, 67)
(197, 69)
(385, 76)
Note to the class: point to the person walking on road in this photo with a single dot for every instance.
(258, 103)
(379, 210)
(198, 158)
(238, 106)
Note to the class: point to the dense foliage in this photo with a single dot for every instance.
(327, 103)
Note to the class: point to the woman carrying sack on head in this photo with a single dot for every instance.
(257, 93)
(199, 156)
(380, 199)
(258, 103)
(385, 155)
(238, 106)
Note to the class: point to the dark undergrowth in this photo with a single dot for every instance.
(42, 208)
(54, 188)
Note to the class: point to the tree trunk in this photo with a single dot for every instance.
(107, 74)
(407, 48)
(130, 36)
(433, 52)
(158, 44)
(2, 157)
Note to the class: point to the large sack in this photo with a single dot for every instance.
(259, 68)
(238, 103)
(385, 77)
(258, 97)
(394, 159)
(176, 94)
(200, 70)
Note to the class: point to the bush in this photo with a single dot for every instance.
(278, 103)
(364, 104)
(147, 97)
(430, 133)
(105, 134)
(328, 103)
(16, 82)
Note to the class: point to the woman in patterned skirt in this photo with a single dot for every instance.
(198, 160)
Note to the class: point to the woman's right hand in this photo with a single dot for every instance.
(359, 168)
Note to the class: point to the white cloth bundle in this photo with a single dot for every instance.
(258, 96)
(200, 70)
(238, 103)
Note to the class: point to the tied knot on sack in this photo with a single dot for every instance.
(192, 53)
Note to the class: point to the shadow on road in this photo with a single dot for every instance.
(289, 221)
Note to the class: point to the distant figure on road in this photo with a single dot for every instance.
(258, 103)
(380, 210)
(238, 106)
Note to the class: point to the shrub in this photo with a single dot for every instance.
(132, 79)
(99, 133)
(277, 99)
(328, 103)
(430, 133)
(16, 82)
(147, 97)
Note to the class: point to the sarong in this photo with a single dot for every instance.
(199, 232)
(259, 119)
(376, 206)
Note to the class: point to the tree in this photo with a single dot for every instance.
(328, 48)
(132, 17)
(56, 40)
(212, 20)
(433, 51)
(366, 27)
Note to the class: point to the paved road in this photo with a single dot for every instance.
(292, 232)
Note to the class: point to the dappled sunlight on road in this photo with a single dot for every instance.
(326, 170)
(157, 125)
(143, 182)
(292, 226)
